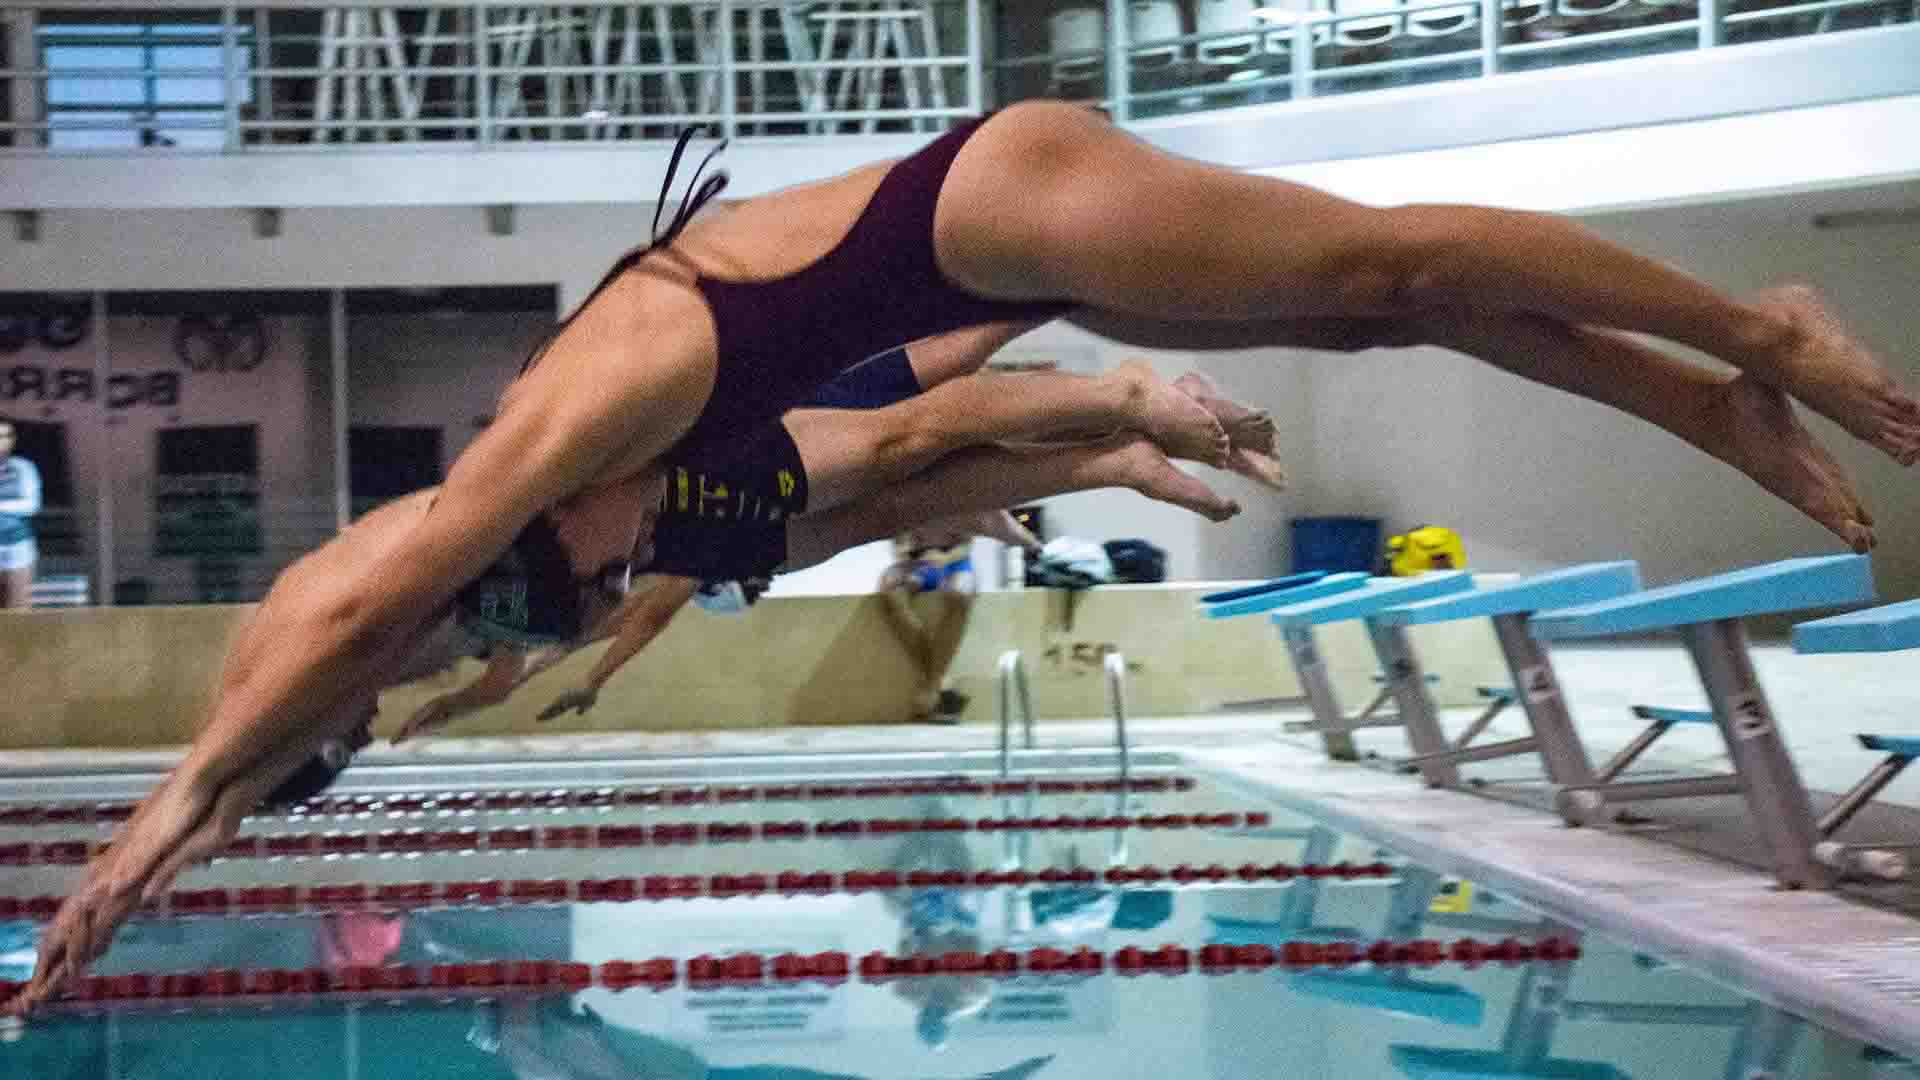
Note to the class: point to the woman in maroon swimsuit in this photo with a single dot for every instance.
(1042, 209)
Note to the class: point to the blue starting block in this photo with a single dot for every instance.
(1377, 595)
(1569, 587)
(1279, 593)
(1660, 721)
(1670, 717)
(1707, 615)
(1789, 585)
(1396, 991)
(1405, 683)
(1436, 1063)
(1898, 747)
(1763, 1040)
(1279, 584)
(1512, 608)
(1888, 628)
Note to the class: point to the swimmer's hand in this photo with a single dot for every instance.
(182, 824)
(581, 700)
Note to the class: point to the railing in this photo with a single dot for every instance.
(1138, 57)
(1116, 666)
(363, 73)
(144, 552)
(1013, 690)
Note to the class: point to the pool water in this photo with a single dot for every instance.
(1610, 1012)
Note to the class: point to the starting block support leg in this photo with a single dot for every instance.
(1538, 690)
(1781, 810)
(1415, 706)
(1862, 793)
(1319, 690)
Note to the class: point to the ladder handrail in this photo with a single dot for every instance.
(1117, 701)
(1013, 681)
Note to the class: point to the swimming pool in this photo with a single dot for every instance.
(857, 916)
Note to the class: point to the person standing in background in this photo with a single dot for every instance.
(19, 500)
(936, 561)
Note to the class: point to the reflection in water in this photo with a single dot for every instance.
(548, 1040)
(941, 920)
(1612, 1014)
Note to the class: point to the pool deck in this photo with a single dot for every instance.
(1824, 956)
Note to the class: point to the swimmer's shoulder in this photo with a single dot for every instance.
(777, 233)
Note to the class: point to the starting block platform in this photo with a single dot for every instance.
(1513, 608)
(1888, 628)
(1279, 593)
(1707, 614)
(1788, 585)
(1405, 683)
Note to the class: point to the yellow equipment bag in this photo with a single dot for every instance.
(1430, 547)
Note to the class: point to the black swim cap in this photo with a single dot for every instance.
(322, 769)
(529, 597)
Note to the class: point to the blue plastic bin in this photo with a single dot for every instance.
(1334, 544)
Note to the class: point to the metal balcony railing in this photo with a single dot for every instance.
(81, 77)
(236, 78)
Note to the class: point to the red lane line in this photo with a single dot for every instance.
(19, 815)
(590, 837)
(748, 969)
(402, 896)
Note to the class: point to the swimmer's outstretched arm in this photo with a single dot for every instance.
(506, 670)
(640, 618)
(315, 647)
(944, 357)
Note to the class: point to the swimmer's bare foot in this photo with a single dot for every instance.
(1182, 426)
(1250, 432)
(1262, 469)
(1752, 427)
(1835, 375)
(1139, 463)
(1246, 427)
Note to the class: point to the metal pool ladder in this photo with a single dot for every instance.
(1013, 689)
(1013, 686)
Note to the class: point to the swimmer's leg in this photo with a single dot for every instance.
(949, 356)
(986, 478)
(1744, 422)
(1050, 200)
(1740, 420)
(849, 453)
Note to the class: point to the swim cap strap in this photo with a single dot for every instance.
(698, 194)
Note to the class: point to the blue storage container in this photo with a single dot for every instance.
(1334, 544)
